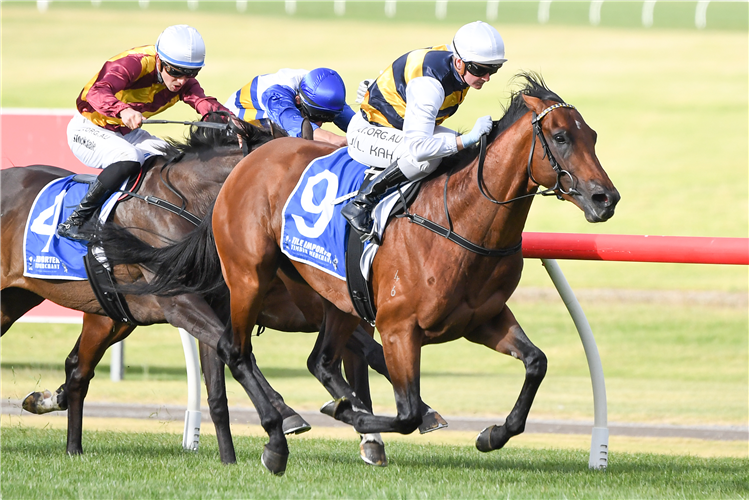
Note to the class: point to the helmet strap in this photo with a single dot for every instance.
(159, 68)
(461, 72)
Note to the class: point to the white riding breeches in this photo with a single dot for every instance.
(97, 147)
(379, 147)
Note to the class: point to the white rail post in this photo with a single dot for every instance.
(191, 434)
(117, 366)
(599, 443)
(594, 13)
(390, 8)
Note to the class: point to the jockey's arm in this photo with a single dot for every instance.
(424, 96)
(325, 136)
(194, 95)
(117, 76)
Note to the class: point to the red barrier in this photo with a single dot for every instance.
(616, 247)
(33, 137)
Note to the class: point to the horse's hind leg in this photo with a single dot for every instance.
(371, 446)
(293, 423)
(99, 332)
(504, 335)
(247, 282)
(215, 385)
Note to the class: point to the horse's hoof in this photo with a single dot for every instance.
(372, 450)
(483, 440)
(336, 407)
(328, 408)
(40, 402)
(274, 462)
(295, 424)
(432, 421)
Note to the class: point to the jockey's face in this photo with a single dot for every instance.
(471, 79)
(173, 83)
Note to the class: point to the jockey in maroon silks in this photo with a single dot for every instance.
(141, 82)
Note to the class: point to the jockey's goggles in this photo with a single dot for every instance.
(477, 69)
(480, 70)
(178, 72)
(315, 114)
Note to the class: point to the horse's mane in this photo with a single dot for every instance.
(532, 85)
(201, 140)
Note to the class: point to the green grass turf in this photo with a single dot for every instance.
(661, 364)
(118, 465)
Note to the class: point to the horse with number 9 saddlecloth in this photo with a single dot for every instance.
(428, 286)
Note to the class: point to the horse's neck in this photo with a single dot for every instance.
(196, 181)
(505, 177)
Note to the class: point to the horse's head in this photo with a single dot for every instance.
(571, 168)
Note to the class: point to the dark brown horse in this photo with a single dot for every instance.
(427, 289)
(194, 181)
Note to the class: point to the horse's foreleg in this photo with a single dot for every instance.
(98, 333)
(504, 335)
(362, 341)
(402, 350)
(215, 385)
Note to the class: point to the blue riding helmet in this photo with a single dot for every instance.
(323, 94)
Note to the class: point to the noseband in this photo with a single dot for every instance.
(557, 189)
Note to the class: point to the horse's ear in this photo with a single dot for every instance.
(534, 103)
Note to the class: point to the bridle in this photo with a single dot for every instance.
(557, 189)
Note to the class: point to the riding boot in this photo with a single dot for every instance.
(359, 211)
(97, 193)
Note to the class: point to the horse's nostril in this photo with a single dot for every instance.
(601, 199)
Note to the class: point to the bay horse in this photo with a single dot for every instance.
(192, 182)
(426, 288)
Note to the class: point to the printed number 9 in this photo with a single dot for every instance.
(324, 208)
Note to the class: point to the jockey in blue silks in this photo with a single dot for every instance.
(290, 95)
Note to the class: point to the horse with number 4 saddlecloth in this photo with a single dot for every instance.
(445, 269)
(190, 175)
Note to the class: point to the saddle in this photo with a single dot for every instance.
(359, 287)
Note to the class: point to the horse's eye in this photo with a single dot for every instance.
(559, 138)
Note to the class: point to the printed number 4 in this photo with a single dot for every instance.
(324, 207)
(41, 226)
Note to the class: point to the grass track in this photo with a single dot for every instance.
(119, 465)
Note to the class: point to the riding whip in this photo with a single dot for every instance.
(218, 126)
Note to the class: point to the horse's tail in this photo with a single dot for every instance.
(190, 265)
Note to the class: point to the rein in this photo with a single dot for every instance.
(558, 190)
(170, 207)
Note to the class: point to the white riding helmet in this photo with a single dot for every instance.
(181, 46)
(479, 42)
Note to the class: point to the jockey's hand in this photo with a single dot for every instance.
(237, 124)
(363, 86)
(131, 118)
(482, 127)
